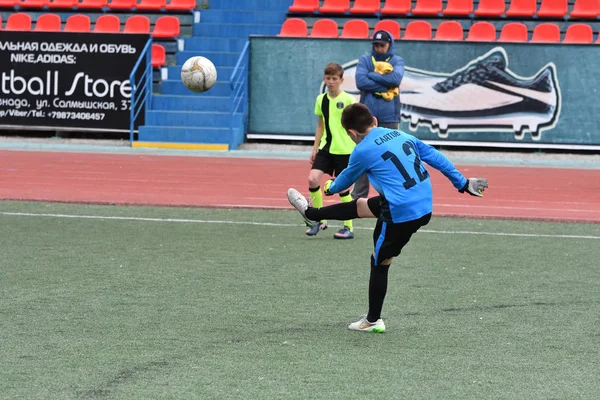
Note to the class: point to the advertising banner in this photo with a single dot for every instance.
(452, 92)
(59, 80)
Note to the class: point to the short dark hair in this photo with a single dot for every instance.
(334, 69)
(358, 117)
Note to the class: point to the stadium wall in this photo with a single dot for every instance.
(505, 94)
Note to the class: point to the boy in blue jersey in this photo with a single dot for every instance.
(392, 161)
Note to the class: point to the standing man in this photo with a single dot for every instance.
(378, 77)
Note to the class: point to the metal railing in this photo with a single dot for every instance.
(141, 92)
(239, 90)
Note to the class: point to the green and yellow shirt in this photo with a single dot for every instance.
(335, 140)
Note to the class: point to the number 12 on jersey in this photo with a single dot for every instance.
(409, 181)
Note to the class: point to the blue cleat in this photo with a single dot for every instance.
(344, 233)
(319, 226)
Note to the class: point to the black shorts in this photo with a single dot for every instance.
(389, 238)
(331, 164)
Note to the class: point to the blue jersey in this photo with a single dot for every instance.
(392, 160)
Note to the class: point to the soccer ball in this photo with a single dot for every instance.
(198, 74)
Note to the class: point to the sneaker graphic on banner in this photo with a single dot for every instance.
(504, 100)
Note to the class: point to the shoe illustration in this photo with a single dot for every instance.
(482, 96)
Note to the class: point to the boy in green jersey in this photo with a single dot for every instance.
(332, 147)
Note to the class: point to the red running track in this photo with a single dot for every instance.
(550, 194)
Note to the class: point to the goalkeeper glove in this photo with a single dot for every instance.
(326, 187)
(475, 186)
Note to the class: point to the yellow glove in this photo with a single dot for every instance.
(390, 94)
(326, 187)
(382, 67)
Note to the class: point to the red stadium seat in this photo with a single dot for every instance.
(521, 8)
(122, 4)
(63, 4)
(304, 6)
(181, 5)
(34, 3)
(365, 7)
(586, 9)
(137, 24)
(389, 25)
(553, 8)
(546, 33)
(18, 22)
(458, 7)
(427, 7)
(324, 28)
(482, 31)
(579, 33)
(449, 30)
(9, 3)
(396, 7)
(166, 27)
(92, 4)
(159, 56)
(490, 8)
(48, 23)
(294, 27)
(417, 30)
(335, 6)
(513, 32)
(151, 5)
(78, 23)
(108, 24)
(355, 29)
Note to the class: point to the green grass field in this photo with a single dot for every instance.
(245, 306)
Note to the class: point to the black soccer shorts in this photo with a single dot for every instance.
(331, 164)
(390, 238)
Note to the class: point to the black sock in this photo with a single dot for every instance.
(340, 212)
(377, 289)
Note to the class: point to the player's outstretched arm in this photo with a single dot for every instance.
(473, 186)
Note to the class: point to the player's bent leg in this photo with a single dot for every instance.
(338, 212)
(368, 208)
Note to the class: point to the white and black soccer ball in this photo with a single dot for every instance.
(198, 74)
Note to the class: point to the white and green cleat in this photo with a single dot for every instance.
(366, 326)
(301, 204)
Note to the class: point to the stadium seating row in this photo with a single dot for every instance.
(122, 5)
(481, 31)
(166, 26)
(486, 8)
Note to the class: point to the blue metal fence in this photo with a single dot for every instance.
(239, 95)
(141, 91)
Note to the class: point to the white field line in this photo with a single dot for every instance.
(228, 222)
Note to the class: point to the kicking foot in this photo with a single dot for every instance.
(301, 204)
